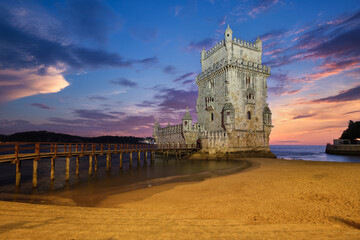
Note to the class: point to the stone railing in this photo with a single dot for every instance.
(170, 129)
(245, 44)
(215, 48)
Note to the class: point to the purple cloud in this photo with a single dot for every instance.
(198, 46)
(344, 96)
(93, 114)
(101, 98)
(184, 76)
(262, 6)
(222, 21)
(42, 106)
(169, 69)
(124, 82)
(304, 116)
(352, 112)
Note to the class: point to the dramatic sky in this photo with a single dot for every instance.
(111, 67)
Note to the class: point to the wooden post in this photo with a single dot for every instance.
(167, 154)
(35, 167)
(52, 170)
(145, 156)
(90, 165)
(18, 173)
(121, 156)
(138, 158)
(67, 169)
(108, 162)
(77, 166)
(130, 159)
(152, 154)
(95, 163)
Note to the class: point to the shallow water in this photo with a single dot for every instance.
(88, 191)
(309, 153)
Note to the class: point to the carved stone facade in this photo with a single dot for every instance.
(231, 106)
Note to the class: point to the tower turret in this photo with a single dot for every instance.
(187, 121)
(228, 34)
(156, 130)
(228, 41)
(202, 56)
(258, 44)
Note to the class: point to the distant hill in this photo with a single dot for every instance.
(44, 136)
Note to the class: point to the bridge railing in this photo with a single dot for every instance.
(38, 148)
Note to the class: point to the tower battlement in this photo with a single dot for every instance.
(241, 43)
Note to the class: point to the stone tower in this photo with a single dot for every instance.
(231, 106)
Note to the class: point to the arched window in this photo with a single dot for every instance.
(185, 123)
(249, 115)
(247, 80)
(212, 116)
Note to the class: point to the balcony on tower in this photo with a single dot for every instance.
(209, 103)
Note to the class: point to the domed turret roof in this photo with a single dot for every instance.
(228, 106)
(267, 109)
(187, 115)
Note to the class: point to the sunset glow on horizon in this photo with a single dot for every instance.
(95, 68)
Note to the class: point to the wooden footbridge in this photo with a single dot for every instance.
(15, 153)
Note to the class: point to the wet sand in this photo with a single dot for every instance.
(275, 199)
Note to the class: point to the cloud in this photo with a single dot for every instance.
(282, 84)
(22, 49)
(148, 61)
(117, 113)
(173, 99)
(272, 35)
(344, 96)
(42, 106)
(124, 82)
(95, 98)
(198, 46)
(37, 56)
(93, 114)
(262, 6)
(334, 43)
(146, 103)
(184, 76)
(352, 112)
(222, 21)
(304, 116)
(16, 84)
(169, 69)
(188, 82)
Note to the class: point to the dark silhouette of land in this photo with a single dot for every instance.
(352, 132)
(45, 136)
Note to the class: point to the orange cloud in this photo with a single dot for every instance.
(17, 84)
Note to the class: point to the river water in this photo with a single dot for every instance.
(309, 153)
(81, 188)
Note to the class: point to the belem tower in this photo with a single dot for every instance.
(232, 112)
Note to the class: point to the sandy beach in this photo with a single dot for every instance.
(274, 199)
